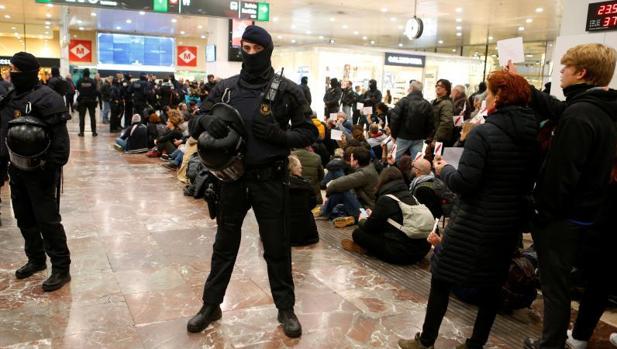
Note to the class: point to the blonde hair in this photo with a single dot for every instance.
(597, 59)
(293, 162)
(175, 117)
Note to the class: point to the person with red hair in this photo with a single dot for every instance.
(494, 177)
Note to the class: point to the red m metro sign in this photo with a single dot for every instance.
(187, 56)
(80, 51)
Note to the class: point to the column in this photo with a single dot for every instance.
(218, 34)
(65, 38)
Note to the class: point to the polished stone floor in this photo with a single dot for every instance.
(141, 251)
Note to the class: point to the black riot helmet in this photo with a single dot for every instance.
(27, 141)
(224, 157)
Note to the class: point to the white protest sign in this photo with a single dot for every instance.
(419, 156)
(367, 110)
(333, 115)
(438, 148)
(336, 135)
(511, 49)
(452, 156)
(458, 120)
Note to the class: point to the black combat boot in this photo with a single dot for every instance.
(56, 280)
(290, 322)
(207, 314)
(29, 269)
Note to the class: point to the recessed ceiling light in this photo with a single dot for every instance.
(401, 27)
(459, 9)
(459, 20)
(182, 32)
(50, 5)
(14, 28)
(293, 26)
(459, 34)
(142, 13)
(2, 7)
(529, 20)
(203, 36)
(275, 19)
(79, 21)
(81, 28)
(458, 27)
(356, 32)
(293, 41)
(173, 20)
(521, 28)
(46, 33)
(372, 42)
(400, 45)
(384, 9)
(129, 21)
(344, 26)
(440, 42)
(539, 10)
(200, 26)
(118, 27)
(528, 56)
(332, 19)
(93, 14)
(47, 23)
(392, 19)
(453, 50)
(364, 38)
(7, 16)
(48, 15)
(308, 32)
(279, 37)
(320, 37)
(331, 41)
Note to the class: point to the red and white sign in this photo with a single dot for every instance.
(80, 51)
(187, 56)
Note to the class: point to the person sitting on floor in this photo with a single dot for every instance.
(421, 186)
(166, 143)
(353, 191)
(155, 127)
(312, 169)
(134, 139)
(301, 201)
(376, 236)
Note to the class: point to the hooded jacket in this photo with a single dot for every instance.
(574, 179)
(332, 98)
(493, 181)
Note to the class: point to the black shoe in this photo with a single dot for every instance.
(56, 280)
(94, 134)
(207, 314)
(530, 343)
(170, 165)
(290, 322)
(28, 269)
(80, 134)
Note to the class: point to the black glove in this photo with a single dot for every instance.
(217, 128)
(268, 131)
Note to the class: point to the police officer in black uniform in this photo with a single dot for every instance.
(37, 113)
(128, 100)
(86, 101)
(271, 129)
(137, 90)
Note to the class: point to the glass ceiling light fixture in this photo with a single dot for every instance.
(414, 26)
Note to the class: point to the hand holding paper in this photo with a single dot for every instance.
(511, 50)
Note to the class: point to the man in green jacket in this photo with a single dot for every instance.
(443, 112)
(312, 169)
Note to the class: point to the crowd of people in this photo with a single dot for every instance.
(530, 164)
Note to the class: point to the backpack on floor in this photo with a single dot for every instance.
(445, 195)
(418, 220)
(519, 290)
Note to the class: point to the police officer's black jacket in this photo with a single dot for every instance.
(50, 108)
(332, 99)
(87, 90)
(412, 118)
(349, 97)
(290, 111)
(138, 90)
(59, 85)
(307, 93)
(371, 97)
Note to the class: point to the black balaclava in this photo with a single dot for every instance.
(86, 73)
(28, 75)
(372, 84)
(304, 80)
(334, 83)
(143, 77)
(257, 68)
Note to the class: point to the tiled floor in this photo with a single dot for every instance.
(141, 252)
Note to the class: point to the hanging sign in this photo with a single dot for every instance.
(80, 51)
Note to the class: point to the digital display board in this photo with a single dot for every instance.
(602, 16)
(122, 49)
(258, 11)
(236, 29)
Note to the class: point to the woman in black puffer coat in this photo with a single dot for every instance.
(381, 239)
(493, 180)
(301, 200)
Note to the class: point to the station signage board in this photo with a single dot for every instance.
(258, 11)
(187, 56)
(602, 16)
(80, 51)
(403, 60)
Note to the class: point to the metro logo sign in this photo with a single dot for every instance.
(80, 51)
(187, 56)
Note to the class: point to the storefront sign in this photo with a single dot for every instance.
(405, 60)
(221, 8)
(187, 56)
(80, 51)
(602, 16)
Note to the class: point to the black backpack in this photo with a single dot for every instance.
(447, 197)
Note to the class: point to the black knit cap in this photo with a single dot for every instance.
(257, 35)
(25, 62)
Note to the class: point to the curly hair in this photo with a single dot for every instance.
(509, 89)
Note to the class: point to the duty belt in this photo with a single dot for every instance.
(273, 171)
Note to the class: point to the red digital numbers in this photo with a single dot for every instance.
(609, 21)
(607, 9)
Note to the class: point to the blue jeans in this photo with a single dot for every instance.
(121, 142)
(105, 112)
(348, 199)
(177, 156)
(331, 175)
(405, 146)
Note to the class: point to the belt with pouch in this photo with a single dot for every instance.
(272, 171)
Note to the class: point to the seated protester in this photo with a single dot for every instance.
(311, 169)
(165, 143)
(405, 165)
(421, 186)
(301, 202)
(354, 190)
(375, 138)
(189, 149)
(155, 127)
(337, 167)
(134, 139)
(342, 124)
(381, 115)
(377, 236)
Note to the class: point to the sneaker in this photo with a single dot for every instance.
(349, 245)
(613, 339)
(164, 157)
(342, 222)
(170, 165)
(412, 343)
(118, 147)
(153, 154)
(575, 343)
